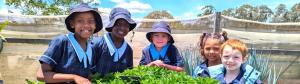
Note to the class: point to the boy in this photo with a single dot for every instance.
(233, 69)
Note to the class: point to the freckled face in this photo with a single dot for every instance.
(232, 58)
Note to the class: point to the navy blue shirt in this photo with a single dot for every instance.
(62, 57)
(172, 57)
(104, 63)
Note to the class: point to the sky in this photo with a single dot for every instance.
(178, 8)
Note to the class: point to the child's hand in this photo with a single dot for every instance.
(81, 80)
(159, 63)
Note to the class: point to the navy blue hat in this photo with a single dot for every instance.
(83, 7)
(120, 13)
(161, 26)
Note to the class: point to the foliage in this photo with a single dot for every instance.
(44, 7)
(152, 75)
(263, 13)
(159, 15)
(281, 13)
(209, 9)
(146, 75)
(3, 25)
(33, 82)
(268, 70)
(192, 59)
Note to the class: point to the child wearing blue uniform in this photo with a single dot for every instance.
(68, 59)
(113, 54)
(161, 52)
(233, 69)
(209, 44)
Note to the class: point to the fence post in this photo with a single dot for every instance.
(217, 28)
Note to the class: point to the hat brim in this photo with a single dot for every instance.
(148, 35)
(97, 17)
(132, 24)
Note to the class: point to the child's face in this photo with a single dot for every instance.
(84, 24)
(232, 58)
(120, 28)
(159, 39)
(211, 50)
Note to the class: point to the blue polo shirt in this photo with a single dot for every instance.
(109, 59)
(201, 70)
(61, 56)
(172, 56)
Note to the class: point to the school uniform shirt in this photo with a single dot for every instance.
(169, 55)
(247, 75)
(108, 58)
(62, 57)
(201, 70)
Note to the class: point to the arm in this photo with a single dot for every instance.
(144, 60)
(171, 67)
(46, 74)
(178, 62)
(160, 63)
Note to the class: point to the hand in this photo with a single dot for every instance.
(158, 63)
(81, 80)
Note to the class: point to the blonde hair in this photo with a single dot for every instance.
(236, 44)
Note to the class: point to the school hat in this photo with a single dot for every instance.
(161, 26)
(83, 7)
(120, 13)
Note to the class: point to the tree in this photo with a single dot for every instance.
(159, 15)
(280, 14)
(45, 7)
(209, 9)
(245, 12)
(263, 12)
(229, 12)
(294, 15)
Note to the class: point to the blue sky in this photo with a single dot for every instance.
(180, 8)
(186, 8)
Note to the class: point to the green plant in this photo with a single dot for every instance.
(3, 25)
(192, 59)
(151, 75)
(262, 63)
(34, 82)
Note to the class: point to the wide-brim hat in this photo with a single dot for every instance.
(83, 7)
(161, 26)
(120, 13)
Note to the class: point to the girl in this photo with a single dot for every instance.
(209, 44)
(113, 54)
(69, 57)
(161, 52)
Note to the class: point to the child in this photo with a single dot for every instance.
(233, 69)
(161, 52)
(209, 44)
(69, 57)
(113, 54)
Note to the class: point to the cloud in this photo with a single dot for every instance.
(118, 1)
(105, 10)
(200, 7)
(133, 6)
